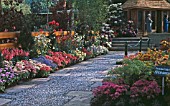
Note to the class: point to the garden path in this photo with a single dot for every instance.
(70, 86)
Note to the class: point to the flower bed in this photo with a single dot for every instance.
(17, 64)
(136, 77)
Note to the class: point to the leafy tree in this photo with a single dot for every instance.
(91, 12)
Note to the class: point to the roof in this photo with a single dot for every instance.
(146, 4)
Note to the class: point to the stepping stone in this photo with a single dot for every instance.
(96, 80)
(82, 98)
(26, 85)
(96, 84)
(79, 93)
(77, 104)
(19, 88)
(4, 101)
(61, 75)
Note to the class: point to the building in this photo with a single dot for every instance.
(137, 11)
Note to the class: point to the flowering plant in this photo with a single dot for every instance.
(54, 25)
(88, 53)
(7, 76)
(156, 56)
(43, 71)
(60, 58)
(14, 54)
(6, 63)
(145, 89)
(81, 55)
(165, 44)
(42, 44)
(46, 61)
(26, 69)
(108, 92)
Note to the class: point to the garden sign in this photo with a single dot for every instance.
(162, 70)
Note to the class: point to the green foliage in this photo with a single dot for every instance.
(40, 6)
(25, 39)
(133, 70)
(12, 13)
(91, 12)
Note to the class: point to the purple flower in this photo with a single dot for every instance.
(3, 75)
(46, 61)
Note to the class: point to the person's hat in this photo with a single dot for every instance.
(149, 15)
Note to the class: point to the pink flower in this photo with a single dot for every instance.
(109, 89)
(145, 88)
(57, 24)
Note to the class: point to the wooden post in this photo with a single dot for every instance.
(156, 21)
(160, 21)
(140, 46)
(128, 14)
(148, 42)
(126, 48)
(143, 23)
(162, 18)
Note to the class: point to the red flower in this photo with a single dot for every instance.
(40, 30)
(57, 24)
(53, 22)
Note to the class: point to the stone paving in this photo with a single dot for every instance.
(67, 87)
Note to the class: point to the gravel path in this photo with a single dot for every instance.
(80, 77)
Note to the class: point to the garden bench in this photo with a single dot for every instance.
(8, 39)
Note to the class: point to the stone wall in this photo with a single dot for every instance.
(157, 37)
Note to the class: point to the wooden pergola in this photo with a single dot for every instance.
(137, 11)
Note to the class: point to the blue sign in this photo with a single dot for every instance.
(162, 70)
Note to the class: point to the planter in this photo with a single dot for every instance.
(57, 33)
(8, 39)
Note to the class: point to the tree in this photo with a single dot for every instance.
(91, 12)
